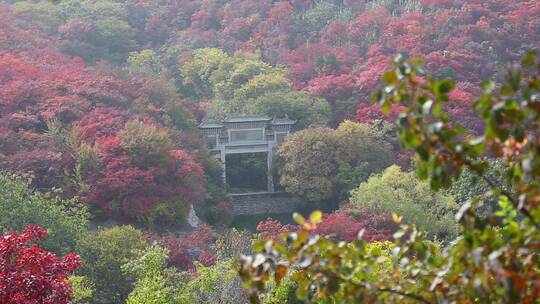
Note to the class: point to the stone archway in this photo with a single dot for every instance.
(246, 135)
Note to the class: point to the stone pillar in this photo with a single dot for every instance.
(223, 157)
(270, 176)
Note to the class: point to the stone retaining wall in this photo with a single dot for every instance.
(262, 203)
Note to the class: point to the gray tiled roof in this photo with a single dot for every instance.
(246, 119)
(283, 121)
(210, 124)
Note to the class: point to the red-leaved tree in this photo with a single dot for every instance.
(377, 226)
(31, 275)
(184, 250)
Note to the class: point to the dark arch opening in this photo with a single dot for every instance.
(246, 172)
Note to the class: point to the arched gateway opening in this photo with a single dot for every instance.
(245, 145)
(246, 172)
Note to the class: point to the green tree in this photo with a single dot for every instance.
(145, 62)
(322, 164)
(44, 13)
(402, 193)
(83, 289)
(157, 284)
(306, 110)
(263, 84)
(96, 30)
(309, 162)
(215, 284)
(152, 285)
(146, 144)
(236, 72)
(243, 84)
(103, 253)
(494, 260)
(240, 79)
(20, 206)
(196, 73)
(362, 151)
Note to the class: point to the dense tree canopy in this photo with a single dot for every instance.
(320, 164)
(100, 102)
(402, 193)
(333, 49)
(173, 61)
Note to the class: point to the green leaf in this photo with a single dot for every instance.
(446, 86)
(487, 86)
(390, 77)
(396, 218)
(298, 218)
(315, 217)
(529, 59)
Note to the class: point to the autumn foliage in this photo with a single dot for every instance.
(65, 124)
(76, 76)
(29, 274)
(185, 250)
(376, 226)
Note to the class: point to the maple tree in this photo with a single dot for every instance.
(185, 251)
(341, 225)
(64, 123)
(29, 274)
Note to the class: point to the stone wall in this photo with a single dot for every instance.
(262, 203)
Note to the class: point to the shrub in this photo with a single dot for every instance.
(232, 243)
(377, 226)
(145, 144)
(103, 253)
(215, 284)
(184, 250)
(402, 193)
(272, 229)
(83, 289)
(151, 284)
(64, 220)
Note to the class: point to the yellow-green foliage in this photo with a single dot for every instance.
(197, 72)
(44, 13)
(402, 193)
(146, 144)
(145, 62)
(320, 164)
(20, 205)
(215, 284)
(103, 253)
(87, 158)
(82, 288)
(151, 286)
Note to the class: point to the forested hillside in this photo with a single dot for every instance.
(100, 102)
(77, 74)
